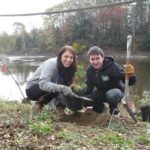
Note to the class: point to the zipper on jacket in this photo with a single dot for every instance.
(97, 77)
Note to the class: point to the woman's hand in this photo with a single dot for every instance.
(65, 90)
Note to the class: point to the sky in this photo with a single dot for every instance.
(21, 7)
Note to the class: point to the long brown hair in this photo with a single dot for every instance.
(66, 75)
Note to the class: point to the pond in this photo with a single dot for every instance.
(22, 67)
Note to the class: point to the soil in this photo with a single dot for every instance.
(82, 131)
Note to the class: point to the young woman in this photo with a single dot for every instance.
(54, 76)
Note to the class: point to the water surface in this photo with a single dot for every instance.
(22, 67)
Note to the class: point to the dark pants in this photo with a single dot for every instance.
(34, 93)
(112, 97)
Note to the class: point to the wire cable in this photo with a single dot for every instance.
(73, 10)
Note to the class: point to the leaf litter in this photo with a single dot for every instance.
(22, 128)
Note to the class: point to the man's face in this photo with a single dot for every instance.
(96, 61)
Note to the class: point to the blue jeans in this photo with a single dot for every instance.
(112, 97)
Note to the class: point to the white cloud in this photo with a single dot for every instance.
(23, 6)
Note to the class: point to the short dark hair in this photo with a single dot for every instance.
(95, 50)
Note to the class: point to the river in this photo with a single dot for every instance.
(22, 67)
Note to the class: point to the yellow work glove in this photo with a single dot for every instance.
(128, 69)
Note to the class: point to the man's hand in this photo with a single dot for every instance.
(65, 90)
(128, 69)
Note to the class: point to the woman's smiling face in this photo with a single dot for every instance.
(67, 59)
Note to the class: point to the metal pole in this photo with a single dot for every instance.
(128, 56)
(4, 63)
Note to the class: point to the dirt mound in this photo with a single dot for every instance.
(88, 118)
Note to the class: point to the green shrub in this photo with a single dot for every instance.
(146, 99)
(79, 47)
(80, 79)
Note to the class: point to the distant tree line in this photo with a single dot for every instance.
(105, 27)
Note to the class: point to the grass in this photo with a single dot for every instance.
(21, 128)
(116, 139)
(144, 138)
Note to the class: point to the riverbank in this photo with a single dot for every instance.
(22, 128)
(107, 51)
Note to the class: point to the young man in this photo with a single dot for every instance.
(105, 81)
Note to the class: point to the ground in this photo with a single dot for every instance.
(22, 128)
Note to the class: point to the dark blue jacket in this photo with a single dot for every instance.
(110, 76)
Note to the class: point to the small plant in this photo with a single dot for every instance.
(42, 124)
(145, 106)
(146, 99)
(80, 79)
(144, 102)
(41, 128)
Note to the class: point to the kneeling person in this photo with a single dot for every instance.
(105, 81)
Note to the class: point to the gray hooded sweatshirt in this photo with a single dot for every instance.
(46, 76)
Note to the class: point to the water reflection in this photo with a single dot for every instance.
(23, 67)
